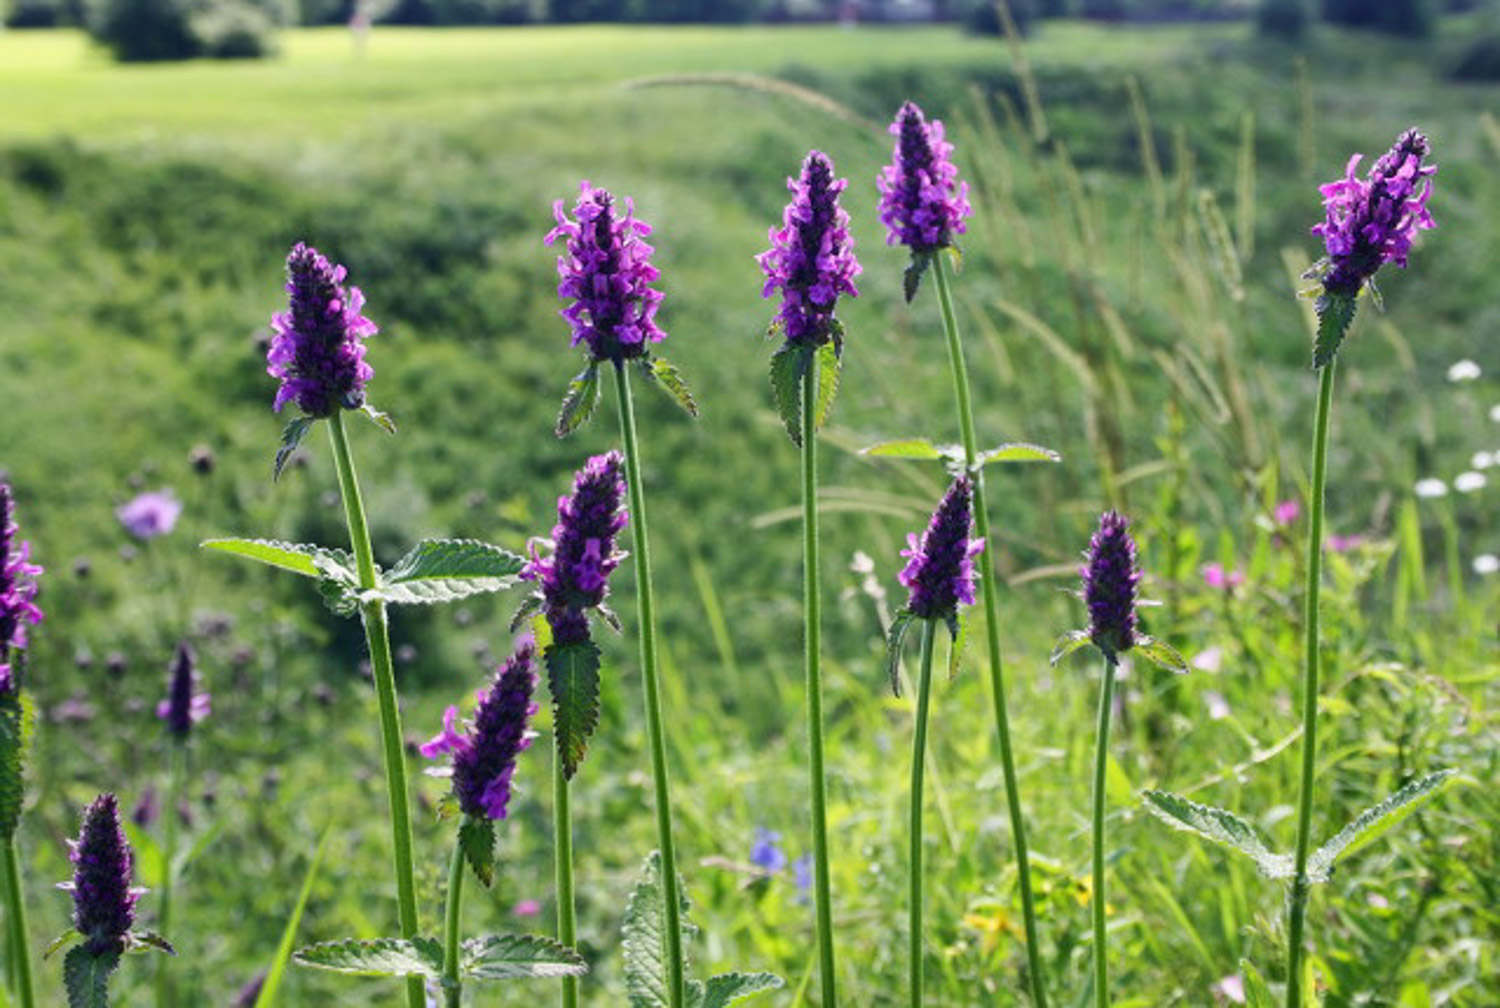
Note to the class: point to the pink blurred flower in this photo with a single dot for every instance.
(526, 908)
(1231, 988)
(1286, 512)
(1215, 576)
(150, 514)
(1343, 544)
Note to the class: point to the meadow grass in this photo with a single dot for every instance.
(144, 213)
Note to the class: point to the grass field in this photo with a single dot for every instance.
(144, 216)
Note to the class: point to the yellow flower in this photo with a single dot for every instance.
(991, 922)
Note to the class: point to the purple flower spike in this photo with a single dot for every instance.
(574, 577)
(318, 350)
(922, 203)
(606, 271)
(151, 514)
(183, 708)
(485, 758)
(17, 590)
(1372, 221)
(811, 259)
(103, 901)
(1109, 582)
(940, 570)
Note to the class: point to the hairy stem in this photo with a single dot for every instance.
(1297, 904)
(452, 987)
(812, 661)
(562, 828)
(914, 828)
(651, 682)
(1101, 758)
(377, 639)
(15, 916)
(992, 635)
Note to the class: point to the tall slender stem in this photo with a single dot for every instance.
(914, 829)
(812, 661)
(384, 674)
(1297, 905)
(452, 987)
(562, 829)
(15, 915)
(1101, 758)
(992, 636)
(166, 995)
(651, 682)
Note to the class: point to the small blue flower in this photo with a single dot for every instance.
(766, 852)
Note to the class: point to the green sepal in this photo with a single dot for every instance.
(958, 636)
(17, 721)
(291, 436)
(141, 941)
(1376, 820)
(660, 371)
(609, 617)
(894, 636)
(86, 976)
(573, 677)
(376, 957)
(1161, 654)
(912, 278)
(1335, 314)
(727, 988)
(787, 367)
(644, 936)
(579, 402)
(379, 419)
(476, 838)
(517, 957)
(830, 362)
(1067, 644)
(1218, 826)
(444, 570)
(529, 607)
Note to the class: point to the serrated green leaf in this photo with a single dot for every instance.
(787, 366)
(379, 419)
(1335, 315)
(644, 944)
(912, 278)
(443, 570)
(1161, 654)
(476, 837)
(17, 720)
(727, 988)
(1377, 820)
(1257, 993)
(579, 402)
(894, 637)
(1017, 451)
(829, 365)
(530, 606)
(376, 957)
(665, 373)
(1068, 643)
(904, 448)
(295, 557)
(573, 677)
(291, 436)
(517, 957)
(67, 936)
(340, 598)
(1220, 827)
(142, 940)
(86, 976)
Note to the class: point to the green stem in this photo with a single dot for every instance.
(562, 829)
(1297, 905)
(652, 684)
(1101, 758)
(166, 996)
(15, 913)
(914, 830)
(384, 674)
(992, 635)
(452, 987)
(812, 660)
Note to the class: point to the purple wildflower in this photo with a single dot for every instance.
(485, 758)
(1216, 575)
(575, 576)
(183, 708)
(811, 258)
(802, 870)
(1109, 581)
(103, 901)
(151, 514)
(922, 204)
(766, 851)
(606, 270)
(1372, 221)
(318, 350)
(17, 590)
(940, 569)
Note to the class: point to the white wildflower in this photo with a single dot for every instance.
(1468, 482)
(1486, 563)
(1464, 370)
(1431, 487)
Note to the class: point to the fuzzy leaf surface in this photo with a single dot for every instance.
(86, 976)
(376, 957)
(1162, 654)
(829, 366)
(17, 718)
(912, 278)
(900, 624)
(476, 837)
(644, 944)
(291, 437)
(573, 678)
(1219, 826)
(1335, 315)
(579, 402)
(443, 570)
(150, 940)
(904, 448)
(787, 365)
(664, 373)
(295, 557)
(379, 419)
(517, 957)
(1017, 451)
(1068, 643)
(1377, 820)
(727, 988)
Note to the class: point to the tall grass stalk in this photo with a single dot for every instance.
(914, 831)
(562, 831)
(19, 957)
(812, 662)
(1101, 760)
(372, 614)
(166, 995)
(1297, 905)
(652, 687)
(992, 632)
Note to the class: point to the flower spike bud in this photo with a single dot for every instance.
(1110, 576)
(18, 590)
(922, 203)
(183, 708)
(103, 900)
(318, 349)
(940, 568)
